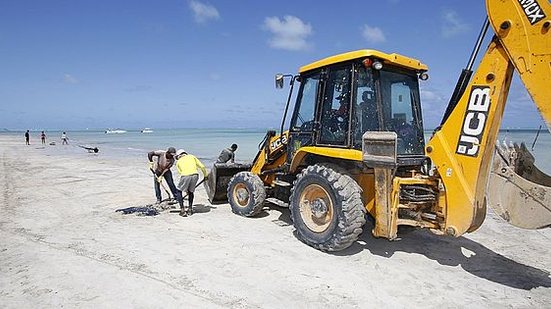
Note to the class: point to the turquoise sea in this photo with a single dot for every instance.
(206, 144)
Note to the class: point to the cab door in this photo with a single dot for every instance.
(303, 123)
(335, 107)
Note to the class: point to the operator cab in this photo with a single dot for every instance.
(344, 96)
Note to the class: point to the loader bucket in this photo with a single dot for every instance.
(518, 191)
(219, 177)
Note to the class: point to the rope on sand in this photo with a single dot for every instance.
(149, 209)
(140, 211)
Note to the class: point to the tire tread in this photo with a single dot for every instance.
(257, 194)
(349, 225)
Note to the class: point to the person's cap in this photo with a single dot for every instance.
(171, 150)
(180, 152)
(234, 146)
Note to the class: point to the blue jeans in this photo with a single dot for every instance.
(168, 179)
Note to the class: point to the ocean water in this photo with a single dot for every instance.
(206, 144)
(541, 149)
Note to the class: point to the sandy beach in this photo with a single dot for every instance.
(63, 245)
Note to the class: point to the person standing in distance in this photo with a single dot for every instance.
(64, 139)
(27, 137)
(165, 160)
(187, 166)
(227, 155)
(43, 137)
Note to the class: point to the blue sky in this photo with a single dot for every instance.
(174, 64)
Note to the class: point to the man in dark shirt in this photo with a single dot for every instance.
(227, 154)
(368, 107)
(165, 160)
(27, 138)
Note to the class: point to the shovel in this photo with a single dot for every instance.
(161, 183)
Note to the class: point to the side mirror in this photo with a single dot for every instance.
(279, 80)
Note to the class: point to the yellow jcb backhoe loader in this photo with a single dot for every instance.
(355, 144)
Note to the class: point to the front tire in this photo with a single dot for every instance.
(246, 194)
(327, 208)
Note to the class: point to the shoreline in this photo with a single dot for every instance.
(63, 244)
(205, 145)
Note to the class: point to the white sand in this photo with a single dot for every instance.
(63, 245)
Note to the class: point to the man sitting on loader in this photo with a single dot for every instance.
(227, 155)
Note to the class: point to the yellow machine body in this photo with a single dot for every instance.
(465, 176)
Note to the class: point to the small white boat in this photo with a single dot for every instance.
(147, 130)
(114, 131)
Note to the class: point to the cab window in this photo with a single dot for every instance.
(303, 119)
(365, 110)
(400, 99)
(336, 106)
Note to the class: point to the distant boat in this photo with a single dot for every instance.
(114, 131)
(147, 130)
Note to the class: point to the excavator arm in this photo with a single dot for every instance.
(523, 28)
(463, 148)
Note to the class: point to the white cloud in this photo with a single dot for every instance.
(453, 25)
(69, 79)
(289, 33)
(433, 104)
(203, 12)
(373, 34)
(430, 96)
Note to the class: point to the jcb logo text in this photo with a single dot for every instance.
(278, 142)
(474, 122)
(532, 10)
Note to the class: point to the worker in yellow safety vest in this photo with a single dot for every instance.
(188, 165)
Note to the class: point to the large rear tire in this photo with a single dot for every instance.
(326, 208)
(246, 194)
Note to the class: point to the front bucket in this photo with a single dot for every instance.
(219, 177)
(518, 191)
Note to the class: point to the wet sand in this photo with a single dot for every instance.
(63, 245)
